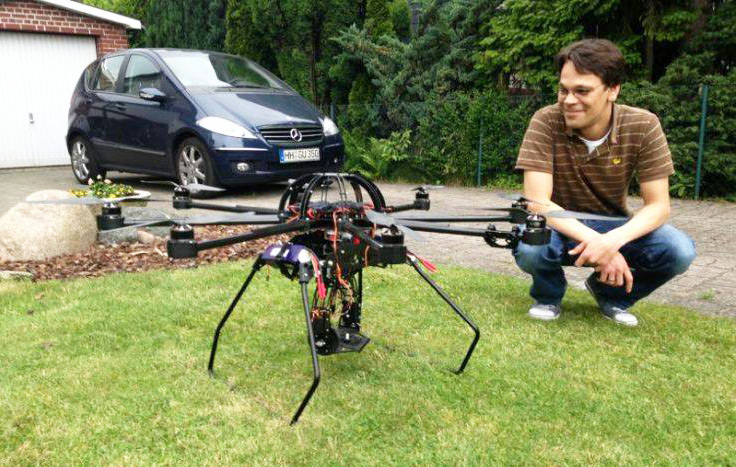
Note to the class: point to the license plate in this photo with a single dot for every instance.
(298, 155)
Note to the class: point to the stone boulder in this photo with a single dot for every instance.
(41, 231)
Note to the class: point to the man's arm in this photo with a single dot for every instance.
(601, 250)
(538, 186)
(656, 210)
(654, 213)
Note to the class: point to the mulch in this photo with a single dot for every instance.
(99, 259)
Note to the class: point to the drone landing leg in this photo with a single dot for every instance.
(413, 261)
(304, 277)
(256, 267)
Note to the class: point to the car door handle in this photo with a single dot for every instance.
(120, 106)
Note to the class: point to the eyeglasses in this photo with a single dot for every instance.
(580, 92)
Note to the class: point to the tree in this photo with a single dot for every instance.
(198, 26)
(132, 8)
(708, 58)
(666, 21)
(437, 61)
(521, 40)
(291, 38)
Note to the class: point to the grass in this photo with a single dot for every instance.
(707, 295)
(112, 371)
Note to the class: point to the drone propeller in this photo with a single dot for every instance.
(516, 198)
(583, 215)
(564, 214)
(92, 201)
(497, 209)
(427, 187)
(388, 221)
(86, 201)
(522, 199)
(192, 187)
(239, 218)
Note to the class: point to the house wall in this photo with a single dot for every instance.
(29, 16)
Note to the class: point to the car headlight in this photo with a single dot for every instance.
(225, 127)
(329, 127)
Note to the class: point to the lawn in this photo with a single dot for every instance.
(112, 371)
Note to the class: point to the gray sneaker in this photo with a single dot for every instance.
(612, 312)
(545, 312)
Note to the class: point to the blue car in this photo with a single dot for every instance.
(197, 117)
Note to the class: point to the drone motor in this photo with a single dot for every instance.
(536, 231)
(181, 242)
(392, 251)
(421, 200)
(182, 198)
(110, 218)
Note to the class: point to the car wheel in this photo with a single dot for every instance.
(193, 165)
(84, 165)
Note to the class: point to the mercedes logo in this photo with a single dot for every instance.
(296, 135)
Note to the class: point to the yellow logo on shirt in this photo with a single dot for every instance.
(616, 160)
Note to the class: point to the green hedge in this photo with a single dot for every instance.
(444, 138)
(444, 133)
(678, 107)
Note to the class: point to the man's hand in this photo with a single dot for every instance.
(598, 250)
(616, 273)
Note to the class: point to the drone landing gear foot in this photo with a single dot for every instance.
(350, 340)
(413, 261)
(343, 339)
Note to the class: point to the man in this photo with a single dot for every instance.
(581, 155)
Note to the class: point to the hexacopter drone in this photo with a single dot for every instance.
(333, 241)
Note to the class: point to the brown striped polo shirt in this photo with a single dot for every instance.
(597, 182)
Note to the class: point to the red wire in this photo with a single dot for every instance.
(430, 267)
(321, 289)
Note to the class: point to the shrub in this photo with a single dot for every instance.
(677, 101)
(450, 134)
(376, 158)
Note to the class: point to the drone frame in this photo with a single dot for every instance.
(333, 243)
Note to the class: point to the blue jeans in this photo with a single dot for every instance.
(654, 259)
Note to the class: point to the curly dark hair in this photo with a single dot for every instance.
(600, 57)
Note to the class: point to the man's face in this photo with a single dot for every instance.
(583, 98)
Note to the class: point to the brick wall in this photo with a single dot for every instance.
(29, 16)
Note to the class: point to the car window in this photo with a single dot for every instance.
(141, 73)
(203, 69)
(89, 74)
(108, 74)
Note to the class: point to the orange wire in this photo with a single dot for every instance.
(334, 247)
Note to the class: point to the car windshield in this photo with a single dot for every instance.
(203, 69)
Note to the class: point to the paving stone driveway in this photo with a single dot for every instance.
(708, 286)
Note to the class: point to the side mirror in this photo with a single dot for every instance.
(152, 94)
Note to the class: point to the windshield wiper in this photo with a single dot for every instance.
(237, 83)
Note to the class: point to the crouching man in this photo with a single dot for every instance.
(581, 155)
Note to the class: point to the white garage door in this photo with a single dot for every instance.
(38, 73)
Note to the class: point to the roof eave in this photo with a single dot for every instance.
(94, 12)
